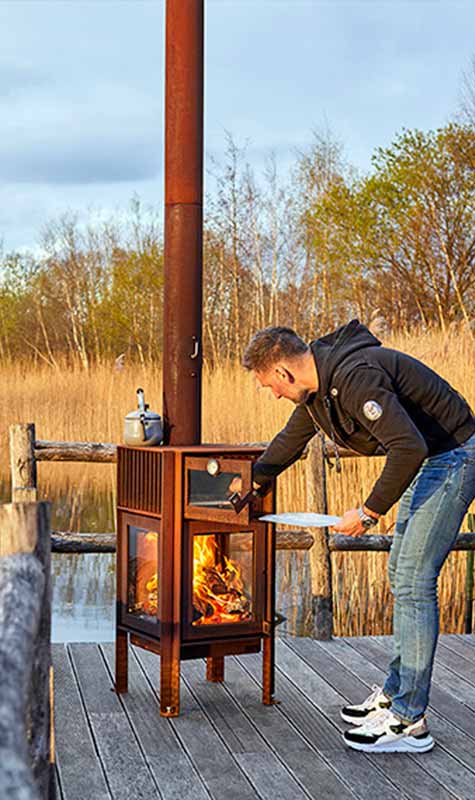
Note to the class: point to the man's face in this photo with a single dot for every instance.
(282, 383)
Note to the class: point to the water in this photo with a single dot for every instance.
(83, 597)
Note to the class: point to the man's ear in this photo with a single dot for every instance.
(284, 374)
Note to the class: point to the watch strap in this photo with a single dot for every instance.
(367, 520)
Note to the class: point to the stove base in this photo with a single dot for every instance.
(214, 652)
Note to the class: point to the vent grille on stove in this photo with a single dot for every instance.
(138, 479)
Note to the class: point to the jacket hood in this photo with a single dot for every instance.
(330, 350)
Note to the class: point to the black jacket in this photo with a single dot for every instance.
(373, 400)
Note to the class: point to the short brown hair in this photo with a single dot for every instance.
(270, 345)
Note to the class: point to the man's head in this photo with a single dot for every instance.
(283, 362)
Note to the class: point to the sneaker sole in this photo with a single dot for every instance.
(406, 745)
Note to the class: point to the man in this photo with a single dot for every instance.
(375, 400)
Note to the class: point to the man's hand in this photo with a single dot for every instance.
(350, 524)
(235, 485)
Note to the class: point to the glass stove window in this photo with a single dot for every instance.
(142, 579)
(222, 578)
(210, 491)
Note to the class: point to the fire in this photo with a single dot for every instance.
(146, 584)
(218, 589)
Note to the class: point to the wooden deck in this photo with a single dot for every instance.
(227, 746)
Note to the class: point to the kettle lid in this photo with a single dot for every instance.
(142, 412)
(148, 415)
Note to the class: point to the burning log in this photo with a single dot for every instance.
(143, 591)
(218, 589)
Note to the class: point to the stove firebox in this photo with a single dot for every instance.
(195, 579)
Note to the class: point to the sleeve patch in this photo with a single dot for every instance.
(372, 410)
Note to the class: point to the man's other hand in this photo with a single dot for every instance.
(350, 524)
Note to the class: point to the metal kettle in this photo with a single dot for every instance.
(143, 428)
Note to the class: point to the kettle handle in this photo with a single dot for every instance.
(142, 408)
(141, 400)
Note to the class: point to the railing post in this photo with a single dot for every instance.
(320, 560)
(23, 463)
(25, 538)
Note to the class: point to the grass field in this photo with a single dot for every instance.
(71, 405)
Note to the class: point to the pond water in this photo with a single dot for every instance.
(83, 597)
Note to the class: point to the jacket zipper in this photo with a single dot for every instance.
(337, 463)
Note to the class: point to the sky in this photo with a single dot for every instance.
(81, 90)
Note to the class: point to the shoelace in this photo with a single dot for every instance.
(379, 719)
(376, 690)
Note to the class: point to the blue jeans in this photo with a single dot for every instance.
(430, 513)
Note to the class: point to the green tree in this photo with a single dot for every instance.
(421, 197)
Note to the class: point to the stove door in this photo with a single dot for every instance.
(210, 482)
(138, 567)
(224, 580)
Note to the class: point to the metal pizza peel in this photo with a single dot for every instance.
(302, 519)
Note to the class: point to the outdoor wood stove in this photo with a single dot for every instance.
(194, 577)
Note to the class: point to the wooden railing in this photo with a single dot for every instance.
(26, 749)
(26, 451)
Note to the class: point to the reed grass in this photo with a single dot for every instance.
(73, 405)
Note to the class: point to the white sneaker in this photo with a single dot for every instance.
(386, 733)
(373, 704)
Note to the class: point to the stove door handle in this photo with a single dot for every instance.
(269, 627)
(279, 618)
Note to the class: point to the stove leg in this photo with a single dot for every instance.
(121, 662)
(268, 671)
(169, 685)
(215, 669)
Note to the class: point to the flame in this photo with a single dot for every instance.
(146, 585)
(218, 589)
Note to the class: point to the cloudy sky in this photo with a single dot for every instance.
(81, 89)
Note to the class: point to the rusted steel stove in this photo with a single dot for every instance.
(195, 578)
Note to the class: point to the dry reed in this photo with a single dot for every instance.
(72, 405)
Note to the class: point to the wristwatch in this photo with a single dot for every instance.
(366, 520)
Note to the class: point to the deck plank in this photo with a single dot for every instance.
(459, 644)
(452, 762)
(58, 787)
(450, 705)
(407, 771)
(266, 730)
(462, 666)
(446, 711)
(169, 763)
(227, 744)
(468, 638)
(352, 768)
(219, 771)
(127, 771)
(80, 771)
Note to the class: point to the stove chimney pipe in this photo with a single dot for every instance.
(182, 357)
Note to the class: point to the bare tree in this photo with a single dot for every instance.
(467, 95)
